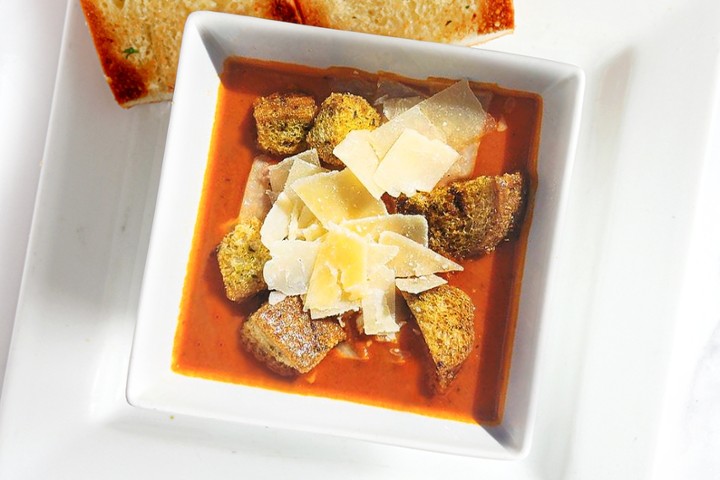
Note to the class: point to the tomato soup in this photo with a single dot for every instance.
(207, 342)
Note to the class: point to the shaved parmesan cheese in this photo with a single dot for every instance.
(301, 169)
(390, 88)
(340, 270)
(358, 155)
(415, 260)
(275, 226)
(302, 224)
(306, 218)
(463, 168)
(413, 163)
(379, 256)
(288, 217)
(324, 290)
(419, 284)
(392, 107)
(279, 173)
(276, 297)
(336, 196)
(312, 232)
(309, 156)
(290, 266)
(341, 307)
(415, 227)
(458, 113)
(383, 137)
(378, 305)
(350, 254)
(293, 229)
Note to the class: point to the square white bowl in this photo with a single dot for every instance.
(208, 40)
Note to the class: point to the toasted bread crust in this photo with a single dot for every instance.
(126, 81)
(467, 23)
(158, 25)
(133, 80)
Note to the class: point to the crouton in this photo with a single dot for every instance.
(446, 317)
(283, 120)
(469, 218)
(286, 339)
(339, 114)
(241, 257)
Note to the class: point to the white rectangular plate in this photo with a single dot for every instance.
(604, 381)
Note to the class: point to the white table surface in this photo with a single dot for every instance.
(677, 437)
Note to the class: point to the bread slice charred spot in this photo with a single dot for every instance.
(281, 10)
(126, 80)
(497, 16)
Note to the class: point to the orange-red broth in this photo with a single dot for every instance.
(207, 341)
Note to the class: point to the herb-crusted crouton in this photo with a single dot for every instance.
(286, 339)
(241, 257)
(283, 120)
(446, 317)
(469, 218)
(339, 114)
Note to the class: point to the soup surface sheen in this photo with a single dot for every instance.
(207, 342)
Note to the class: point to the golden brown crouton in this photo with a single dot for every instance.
(283, 120)
(446, 317)
(469, 218)
(241, 257)
(339, 114)
(286, 339)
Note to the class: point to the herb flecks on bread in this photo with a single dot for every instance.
(450, 21)
(138, 42)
